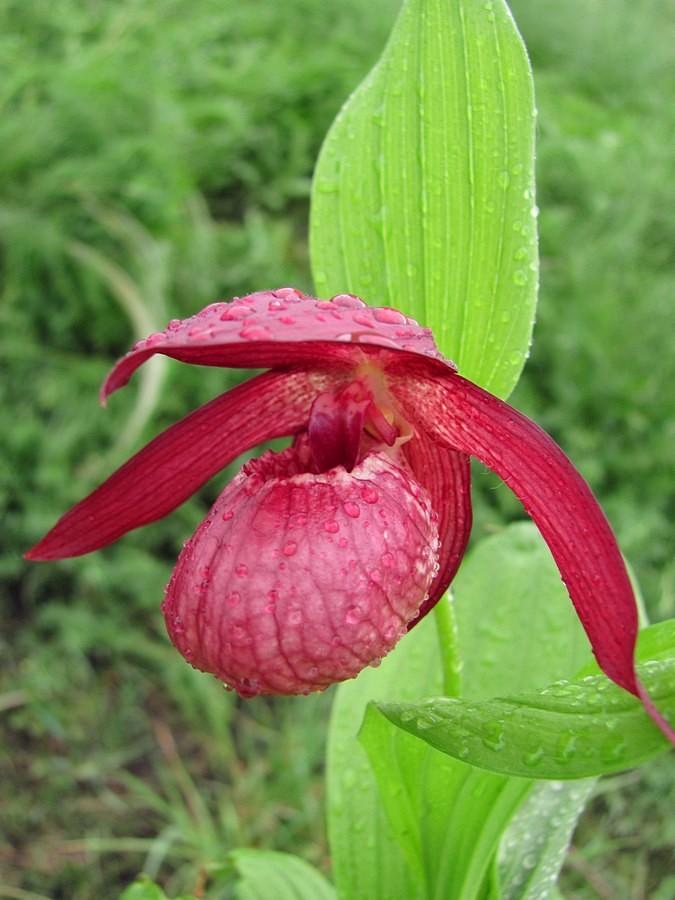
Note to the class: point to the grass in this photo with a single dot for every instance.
(155, 156)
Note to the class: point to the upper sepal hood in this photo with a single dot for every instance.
(268, 329)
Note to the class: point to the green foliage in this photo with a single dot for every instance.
(423, 196)
(446, 817)
(572, 729)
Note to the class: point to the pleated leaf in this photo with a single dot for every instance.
(569, 730)
(423, 195)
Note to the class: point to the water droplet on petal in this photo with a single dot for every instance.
(255, 333)
(331, 526)
(235, 312)
(370, 495)
(361, 319)
(352, 509)
(353, 615)
(389, 316)
(248, 687)
(289, 548)
(241, 570)
(348, 301)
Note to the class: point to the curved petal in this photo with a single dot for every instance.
(554, 494)
(175, 464)
(279, 328)
(295, 581)
(446, 476)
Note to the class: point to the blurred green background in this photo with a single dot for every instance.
(156, 155)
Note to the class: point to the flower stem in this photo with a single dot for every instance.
(448, 638)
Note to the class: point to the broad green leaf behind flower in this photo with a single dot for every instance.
(423, 195)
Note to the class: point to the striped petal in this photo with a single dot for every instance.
(446, 477)
(461, 415)
(175, 464)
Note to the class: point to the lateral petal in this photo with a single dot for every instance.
(279, 328)
(177, 462)
(446, 476)
(465, 417)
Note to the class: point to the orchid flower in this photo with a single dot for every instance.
(315, 560)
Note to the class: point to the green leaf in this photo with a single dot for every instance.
(143, 889)
(447, 817)
(367, 860)
(418, 823)
(510, 602)
(534, 846)
(423, 195)
(267, 873)
(569, 730)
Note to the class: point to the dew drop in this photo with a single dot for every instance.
(233, 599)
(370, 495)
(241, 570)
(353, 615)
(255, 333)
(235, 312)
(331, 526)
(389, 316)
(227, 515)
(289, 548)
(248, 687)
(342, 542)
(352, 509)
(366, 321)
(348, 301)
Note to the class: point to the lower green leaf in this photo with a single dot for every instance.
(446, 816)
(575, 729)
(263, 874)
(534, 845)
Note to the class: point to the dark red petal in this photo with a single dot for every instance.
(278, 328)
(336, 425)
(446, 476)
(295, 581)
(176, 463)
(463, 416)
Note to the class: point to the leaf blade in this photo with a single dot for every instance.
(424, 190)
(570, 730)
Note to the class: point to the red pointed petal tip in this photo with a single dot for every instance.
(180, 460)
(296, 581)
(464, 417)
(274, 328)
